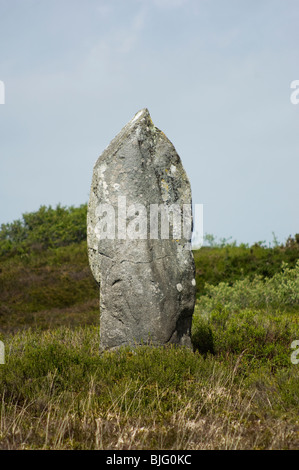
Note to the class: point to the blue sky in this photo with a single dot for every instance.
(214, 74)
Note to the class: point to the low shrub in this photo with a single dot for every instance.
(256, 317)
(279, 291)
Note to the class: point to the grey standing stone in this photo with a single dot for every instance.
(147, 286)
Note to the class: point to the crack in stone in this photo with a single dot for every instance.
(106, 256)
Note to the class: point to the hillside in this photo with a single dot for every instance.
(45, 280)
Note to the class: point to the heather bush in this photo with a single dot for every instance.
(279, 291)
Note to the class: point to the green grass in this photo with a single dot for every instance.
(48, 288)
(231, 263)
(259, 334)
(257, 318)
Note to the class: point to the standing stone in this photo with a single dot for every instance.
(147, 285)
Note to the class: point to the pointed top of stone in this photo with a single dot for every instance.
(141, 119)
(140, 114)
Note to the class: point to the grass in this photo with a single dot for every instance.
(57, 392)
(48, 288)
(230, 263)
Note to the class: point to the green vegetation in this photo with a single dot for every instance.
(280, 290)
(47, 288)
(238, 389)
(252, 317)
(46, 228)
(57, 392)
(229, 263)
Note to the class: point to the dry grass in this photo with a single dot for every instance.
(57, 427)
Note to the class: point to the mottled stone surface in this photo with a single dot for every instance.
(147, 286)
